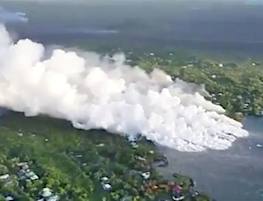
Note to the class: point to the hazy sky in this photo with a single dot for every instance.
(252, 2)
(106, 1)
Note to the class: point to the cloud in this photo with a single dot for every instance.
(94, 92)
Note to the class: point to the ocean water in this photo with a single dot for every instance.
(231, 175)
(213, 27)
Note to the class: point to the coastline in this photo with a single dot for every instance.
(234, 174)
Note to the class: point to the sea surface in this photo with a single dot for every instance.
(231, 175)
(210, 27)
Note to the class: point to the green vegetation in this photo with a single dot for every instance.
(238, 87)
(41, 154)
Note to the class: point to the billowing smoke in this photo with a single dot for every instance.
(94, 92)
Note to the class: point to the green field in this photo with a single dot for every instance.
(73, 163)
(235, 85)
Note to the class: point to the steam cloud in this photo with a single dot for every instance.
(100, 93)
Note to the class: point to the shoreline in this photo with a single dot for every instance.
(233, 174)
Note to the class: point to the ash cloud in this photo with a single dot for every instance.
(94, 92)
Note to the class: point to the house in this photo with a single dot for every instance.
(178, 198)
(195, 193)
(47, 195)
(100, 145)
(25, 172)
(31, 175)
(213, 76)
(46, 192)
(105, 184)
(146, 175)
(20, 134)
(4, 177)
(53, 198)
(9, 198)
(140, 158)
(106, 187)
(176, 189)
(104, 179)
(151, 152)
(23, 165)
(177, 192)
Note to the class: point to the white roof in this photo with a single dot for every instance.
(141, 158)
(151, 152)
(100, 145)
(53, 198)
(106, 186)
(178, 199)
(34, 177)
(9, 198)
(213, 76)
(5, 176)
(46, 192)
(146, 175)
(104, 179)
(22, 164)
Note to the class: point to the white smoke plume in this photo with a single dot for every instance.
(100, 93)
